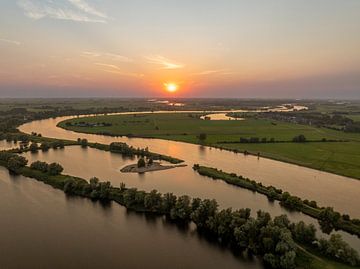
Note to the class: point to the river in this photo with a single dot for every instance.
(88, 162)
(327, 189)
(91, 235)
(43, 228)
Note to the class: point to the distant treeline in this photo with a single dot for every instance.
(275, 240)
(88, 124)
(333, 120)
(11, 119)
(257, 140)
(328, 218)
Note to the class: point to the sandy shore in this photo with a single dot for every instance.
(156, 166)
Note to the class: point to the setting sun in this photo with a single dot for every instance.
(171, 87)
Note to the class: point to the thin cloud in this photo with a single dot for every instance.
(113, 56)
(125, 73)
(82, 5)
(111, 68)
(49, 9)
(215, 71)
(91, 54)
(165, 63)
(14, 42)
(109, 65)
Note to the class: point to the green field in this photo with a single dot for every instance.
(336, 157)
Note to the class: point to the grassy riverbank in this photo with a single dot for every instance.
(204, 214)
(336, 157)
(328, 218)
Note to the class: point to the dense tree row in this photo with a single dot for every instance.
(125, 149)
(52, 168)
(256, 140)
(310, 118)
(352, 127)
(12, 161)
(328, 218)
(299, 139)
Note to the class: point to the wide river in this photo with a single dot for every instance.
(328, 189)
(41, 227)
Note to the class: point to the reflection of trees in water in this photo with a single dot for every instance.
(189, 230)
(202, 150)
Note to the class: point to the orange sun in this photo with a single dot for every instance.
(171, 87)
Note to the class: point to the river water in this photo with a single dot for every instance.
(88, 162)
(327, 189)
(6, 145)
(41, 227)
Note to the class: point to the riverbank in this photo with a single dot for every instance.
(115, 147)
(155, 166)
(328, 218)
(182, 210)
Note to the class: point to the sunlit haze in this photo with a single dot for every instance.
(203, 48)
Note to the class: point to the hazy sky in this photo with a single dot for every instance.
(210, 48)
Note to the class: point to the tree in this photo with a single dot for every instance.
(69, 186)
(168, 202)
(61, 144)
(247, 234)
(282, 221)
(287, 261)
(129, 197)
(206, 209)
(303, 233)
(328, 219)
(94, 182)
(299, 139)
(221, 224)
(140, 198)
(16, 162)
(292, 202)
(182, 208)
(338, 248)
(33, 147)
(141, 163)
(40, 166)
(153, 200)
(202, 137)
(104, 191)
(55, 169)
(84, 143)
(272, 194)
(122, 186)
(44, 146)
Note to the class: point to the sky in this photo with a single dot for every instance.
(207, 48)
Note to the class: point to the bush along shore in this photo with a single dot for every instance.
(277, 241)
(327, 217)
(125, 149)
(36, 142)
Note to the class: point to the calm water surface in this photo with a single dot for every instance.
(5, 145)
(42, 228)
(327, 189)
(87, 163)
